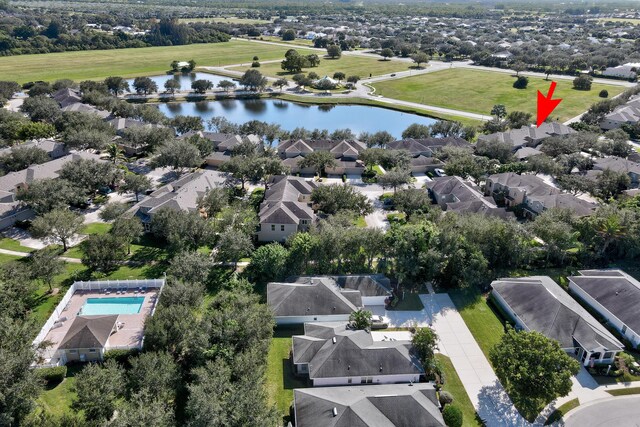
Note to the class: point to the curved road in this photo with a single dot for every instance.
(622, 411)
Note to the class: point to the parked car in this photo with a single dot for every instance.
(440, 172)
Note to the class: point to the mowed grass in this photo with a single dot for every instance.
(99, 64)
(453, 385)
(478, 91)
(348, 64)
(227, 20)
(482, 321)
(559, 413)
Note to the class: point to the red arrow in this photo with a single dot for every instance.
(546, 105)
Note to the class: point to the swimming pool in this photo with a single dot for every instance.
(117, 305)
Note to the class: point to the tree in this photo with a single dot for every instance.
(533, 368)
(45, 195)
(611, 183)
(518, 67)
(412, 201)
(253, 80)
(334, 198)
(302, 80)
(394, 178)
(360, 319)
(521, 82)
(517, 119)
(582, 82)
(201, 86)
(172, 85)
(89, 176)
(155, 373)
(44, 265)
(181, 230)
(416, 131)
(280, 83)
(116, 85)
(190, 267)
(127, 230)
(233, 245)
(339, 76)
(22, 157)
(115, 153)
(294, 62)
(58, 226)
(575, 184)
(499, 111)
(178, 155)
(425, 343)
(103, 252)
(319, 160)
(289, 34)
(99, 387)
(420, 58)
(83, 139)
(41, 109)
(144, 409)
(313, 60)
(495, 149)
(184, 124)
(226, 85)
(113, 210)
(334, 51)
(268, 263)
(386, 53)
(144, 85)
(213, 201)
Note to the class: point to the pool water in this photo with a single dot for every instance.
(117, 305)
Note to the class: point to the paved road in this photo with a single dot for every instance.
(621, 411)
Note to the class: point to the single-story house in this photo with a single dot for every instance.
(615, 295)
(628, 113)
(618, 164)
(453, 194)
(331, 354)
(539, 304)
(386, 405)
(87, 338)
(374, 288)
(317, 299)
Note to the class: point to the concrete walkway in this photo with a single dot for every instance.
(26, 254)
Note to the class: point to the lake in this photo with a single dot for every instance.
(290, 115)
(185, 79)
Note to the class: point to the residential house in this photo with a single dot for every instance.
(539, 304)
(53, 148)
(627, 71)
(222, 145)
(181, 194)
(67, 96)
(286, 208)
(536, 204)
(12, 210)
(422, 151)
(628, 113)
(453, 194)
(511, 188)
(331, 354)
(119, 124)
(317, 299)
(615, 295)
(374, 289)
(345, 152)
(528, 136)
(618, 164)
(386, 405)
(86, 108)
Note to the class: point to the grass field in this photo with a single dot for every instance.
(13, 245)
(562, 411)
(621, 20)
(454, 386)
(98, 64)
(297, 42)
(477, 91)
(58, 400)
(483, 323)
(227, 20)
(350, 65)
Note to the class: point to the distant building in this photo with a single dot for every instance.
(345, 152)
(628, 113)
(620, 165)
(528, 136)
(627, 71)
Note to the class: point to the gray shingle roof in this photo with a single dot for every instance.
(615, 290)
(89, 332)
(387, 405)
(366, 284)
(544, 307)
(351, 353)
(282, 201)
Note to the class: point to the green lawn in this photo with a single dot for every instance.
(297, 42)
(57, 400)
(477, 91)
(624, 391)
(484, 324)
(350, 65)
(13, 245)
(562, 411)
(453, 385)
(99, 64)
(96, 228)
(227, 20)
(280, 378)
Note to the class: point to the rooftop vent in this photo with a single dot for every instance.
(333, 340)
(334, 411)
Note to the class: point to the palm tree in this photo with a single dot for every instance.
(115, 153)
(360, 319)
(609, 230)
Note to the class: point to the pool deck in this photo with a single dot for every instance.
(129, 335)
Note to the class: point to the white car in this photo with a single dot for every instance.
(439, 172)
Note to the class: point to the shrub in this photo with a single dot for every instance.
(121, 356)
(255, 64)
(521, 82)
(445, 398)
(452, 416)
(52, 375)
(604, 93)
(582, 82)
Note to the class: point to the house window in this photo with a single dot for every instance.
(92, 350)
(349, 380)
(282, 228)
(73, 351)
(608, 355)
(273, 227)
(366, 380)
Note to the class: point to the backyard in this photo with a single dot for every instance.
(477, 91)
(99, 64)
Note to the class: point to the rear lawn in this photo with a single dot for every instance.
(477, 91)
(349, 65)
(482, 321)
(148, 61)
(280, 378)
(57, 400)
(453, 385)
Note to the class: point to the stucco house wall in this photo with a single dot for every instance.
(376, 379)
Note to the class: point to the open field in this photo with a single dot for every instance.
(621, 20)
(98, 64)
(350, 65)
(297, 42)
(227, 20)
(454, 386)
(477, 91)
